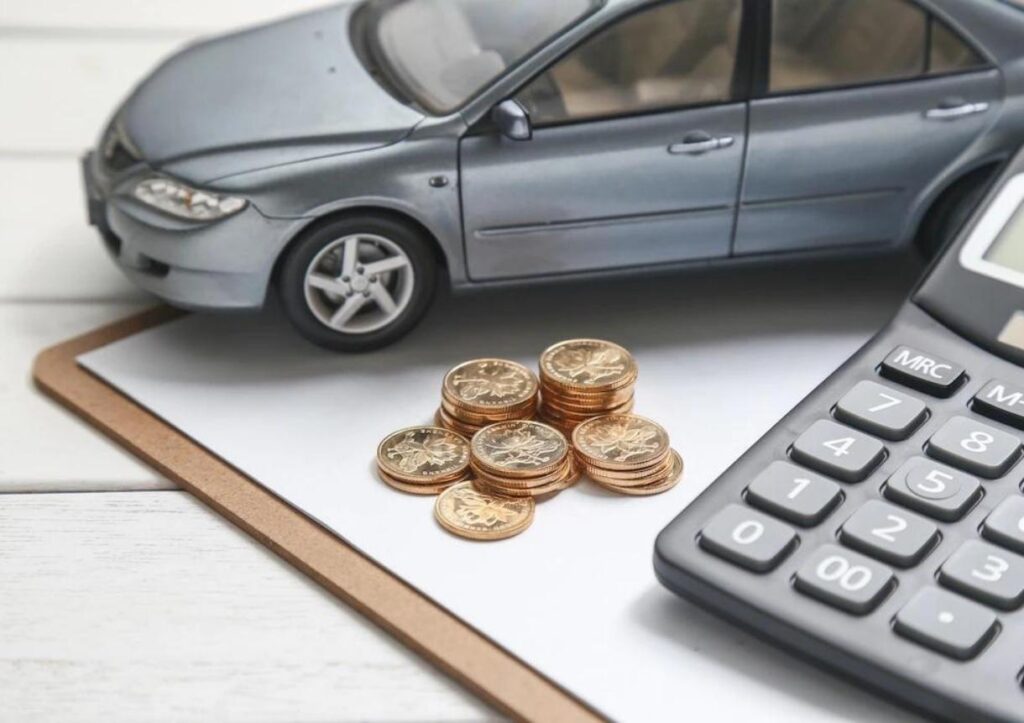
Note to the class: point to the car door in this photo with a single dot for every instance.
(867, 101)
(635, 159)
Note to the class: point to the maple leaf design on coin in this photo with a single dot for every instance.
(411, 454)
(589, 365)
(475, 509)
(493, 382)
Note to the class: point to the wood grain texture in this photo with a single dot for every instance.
(426, 627)
(42, 447)
(146, 606)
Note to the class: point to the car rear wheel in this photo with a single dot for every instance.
(357, 283)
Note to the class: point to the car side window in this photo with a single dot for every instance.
(820, 44)
(832, 43)
(949, 53)
(673, 55)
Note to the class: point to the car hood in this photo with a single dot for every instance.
(296, 82)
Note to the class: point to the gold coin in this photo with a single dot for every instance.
(620, 442)
(490, 385)
(467, 512)
(523, 482)
(446, 421)
(519, 448)
(587, 364)
(551, 488)
(468, 417)
(416, 488)
(423, 454)
(632, 478)
(655, 487)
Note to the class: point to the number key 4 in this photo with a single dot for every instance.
(838, 451)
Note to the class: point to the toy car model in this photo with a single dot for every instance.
(349, 154)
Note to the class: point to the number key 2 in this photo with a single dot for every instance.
(838, 451)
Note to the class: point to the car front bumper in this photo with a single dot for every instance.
(222, 265)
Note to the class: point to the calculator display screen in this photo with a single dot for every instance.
(1008, 248)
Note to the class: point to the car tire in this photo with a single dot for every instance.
(357, 283)
(951, 211)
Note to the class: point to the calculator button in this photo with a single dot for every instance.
(974, 447)
(946, 623)
(881, 410)
(794, 493)
(844, 579)
(987, 573)
(923, 371)
(1001, 401)
(889, 533)
(934, 489)
(1005, 526)
(748, 538)
(838, 451)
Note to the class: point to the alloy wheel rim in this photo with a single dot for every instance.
(359, 283)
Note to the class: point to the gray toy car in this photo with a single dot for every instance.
(350, 154)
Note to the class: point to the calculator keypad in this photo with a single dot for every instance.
(845, 579)
(889, 533)
(975, 447)
(881, 410)
(934, 489)
(946, 623)
(748, 538)
(954, 618)
(838, 451)
(794, 494)
(1005, 525)
(986, 573)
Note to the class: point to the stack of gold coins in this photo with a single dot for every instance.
(521, 459)
(484, 391)
(423, 460)
(585, 378)
(627, 453)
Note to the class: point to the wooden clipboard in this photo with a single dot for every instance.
(459, 650)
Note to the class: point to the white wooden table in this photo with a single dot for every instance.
(121, 597)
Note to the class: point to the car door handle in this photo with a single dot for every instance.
(952, 112)
(695, 144)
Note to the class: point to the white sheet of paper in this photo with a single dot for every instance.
(722, 356)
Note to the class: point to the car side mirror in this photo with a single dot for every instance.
(512, 120)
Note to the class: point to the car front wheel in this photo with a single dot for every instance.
(357, 283)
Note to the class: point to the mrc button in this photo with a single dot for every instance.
(923, 371)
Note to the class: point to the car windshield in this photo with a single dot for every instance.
(442, 52)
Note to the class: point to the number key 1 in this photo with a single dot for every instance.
(794, 493)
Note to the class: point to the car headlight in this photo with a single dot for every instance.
(183, 201)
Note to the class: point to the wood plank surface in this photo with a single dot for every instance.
(147, 606)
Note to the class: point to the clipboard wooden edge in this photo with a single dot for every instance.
(472, 659)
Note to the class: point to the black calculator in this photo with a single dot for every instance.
(878, 529)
